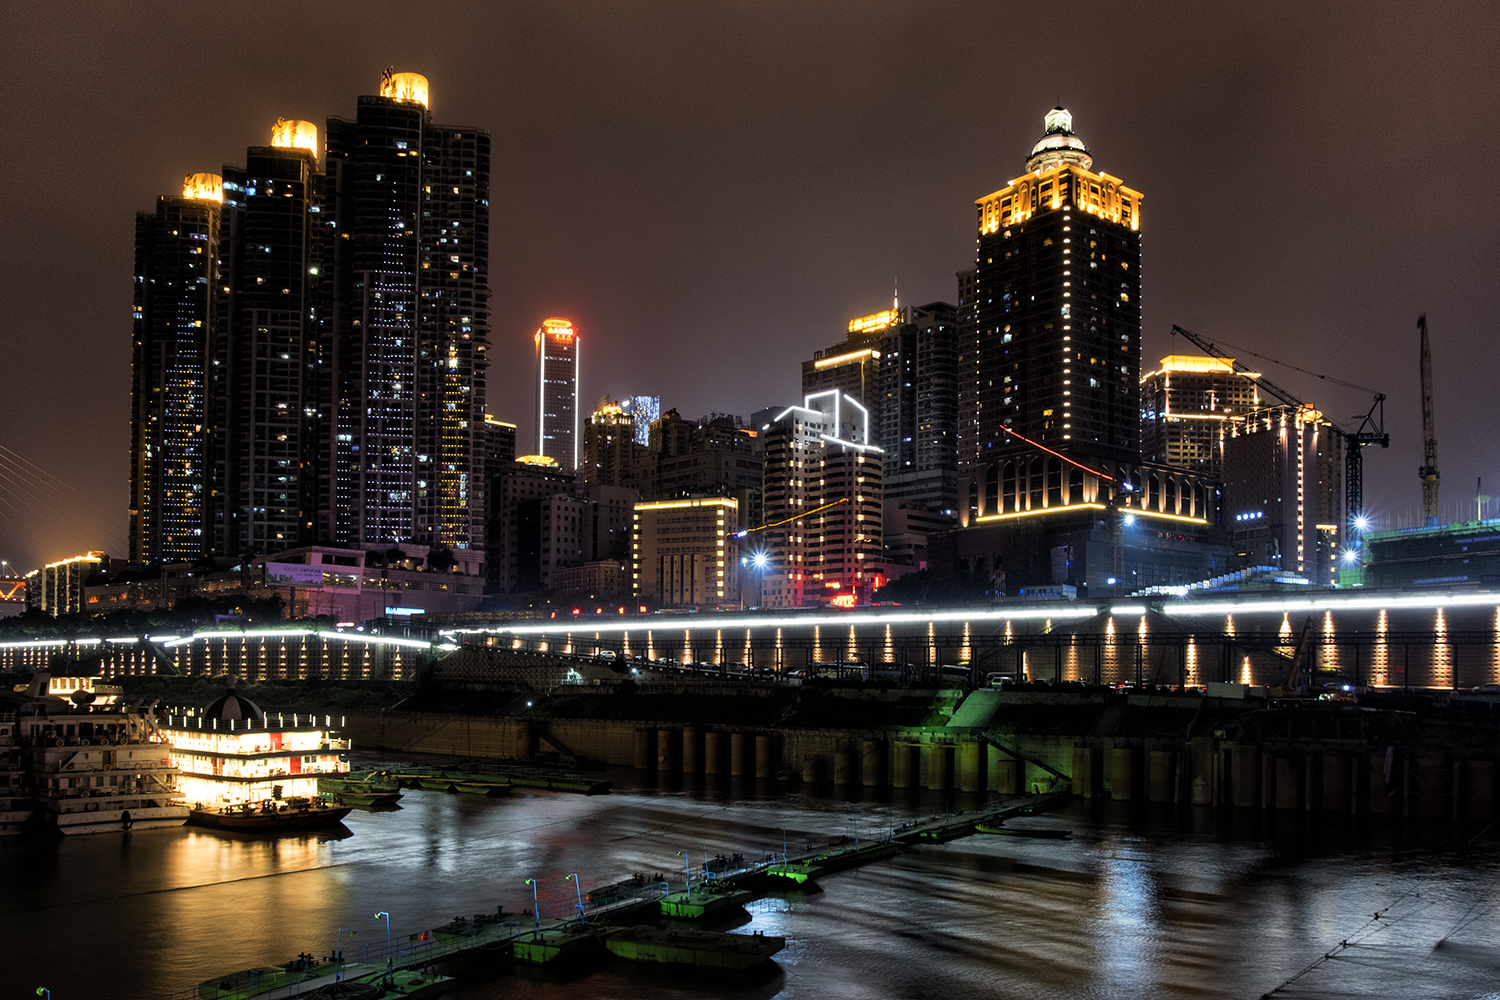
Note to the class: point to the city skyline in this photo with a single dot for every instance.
(742, 219)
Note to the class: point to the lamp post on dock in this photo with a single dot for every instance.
(390, 960)
(579, 890)
(687, 869)
(536, 914)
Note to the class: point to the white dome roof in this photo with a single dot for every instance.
(1059, 145)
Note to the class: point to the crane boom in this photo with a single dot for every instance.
(1429, 469)
(1208, 347)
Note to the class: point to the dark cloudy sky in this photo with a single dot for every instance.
(711, 190)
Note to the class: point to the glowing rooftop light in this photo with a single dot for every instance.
(203, 187)
(295, 135)
(405, 87)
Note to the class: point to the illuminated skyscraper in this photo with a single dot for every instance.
(557, 392)
(408, 216)
(265, 349)
(1055, 349)
(176, 273)
(646, 410)
(1187, 407)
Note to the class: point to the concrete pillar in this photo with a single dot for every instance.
(1381, 802)
(812, 769)
(692, 750)
(525, 741)
(1163, 772)
(765, 756)
(713, 752)
(1005, 772)
(645, 749)
(1479, 789)
(939, 767)
(1244, 776)
(1335, 782)
(1202, 787)
(1267, 780)
(741, 765)
(901, 765)
(1430, 785)
(872, 763)
(1122, 774)
(971, 767)
(1289, 780)
(843, 767)
(668, 750)
(1083, 773)
(1009, 773)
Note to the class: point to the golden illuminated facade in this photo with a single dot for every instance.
(853, 367)
(682, 552)
(1187, 405)
(556, 379)
(1054, 351)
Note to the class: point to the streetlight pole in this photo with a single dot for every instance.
(579, 890)
(687, 868)
(390, 960)
(536, 914)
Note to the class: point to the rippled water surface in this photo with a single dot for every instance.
(1143, 902)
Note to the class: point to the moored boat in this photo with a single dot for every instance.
(699, 949)
(271, 815)
(360, 788)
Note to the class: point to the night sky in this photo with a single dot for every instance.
(710, 191)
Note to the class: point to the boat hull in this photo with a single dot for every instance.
(275, 821)
(117, 820)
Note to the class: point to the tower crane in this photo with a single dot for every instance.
(1371, 429)
(1429, 471)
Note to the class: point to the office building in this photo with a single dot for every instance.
(1284, 493)
(528, 478)
(58, 587)
(557, 392)
(568, 530)
(174, 319)
(1055, 350)
(683, 552)
(1186, 407)
(919, 428)
(499, 443)
(819, 455)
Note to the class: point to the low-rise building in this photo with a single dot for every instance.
(684, 553)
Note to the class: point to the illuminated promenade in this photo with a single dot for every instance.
(1423, 640)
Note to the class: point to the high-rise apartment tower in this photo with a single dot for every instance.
(1055, 349)
(557, 392)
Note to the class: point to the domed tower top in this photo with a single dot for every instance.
(231, 705)
(1059, 145)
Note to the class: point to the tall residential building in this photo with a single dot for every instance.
(819, 455)
(919, 407)
(499, 443)
(1187, 406)
(407, 212)
(341, 309)
(557, 392)
(267, 352)
(1283, 491)
(175, 316)
(528, 478)
(1055, 350)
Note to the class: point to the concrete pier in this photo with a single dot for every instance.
(741, 746)
(714, 749)
(872, 763)
(692, 750)
(843, 767)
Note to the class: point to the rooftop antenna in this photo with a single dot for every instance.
(895, 295)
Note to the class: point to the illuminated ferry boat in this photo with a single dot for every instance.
(87, 763)
(246, 769)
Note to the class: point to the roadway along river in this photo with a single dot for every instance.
(1138, 904)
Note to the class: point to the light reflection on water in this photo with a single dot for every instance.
(1139, 903)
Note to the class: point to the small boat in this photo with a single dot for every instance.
(360, 788)
(270, 815)
(1012, 831)
(700, 949)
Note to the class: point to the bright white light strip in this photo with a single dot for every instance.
(643, 622)
(122, 641)
(33, 643)
(375, 640)
(1332, 603)
(1128, 609)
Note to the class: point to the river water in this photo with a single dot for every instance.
(1141, 901)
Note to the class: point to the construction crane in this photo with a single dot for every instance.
(1429, 470)
(1371, 429)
